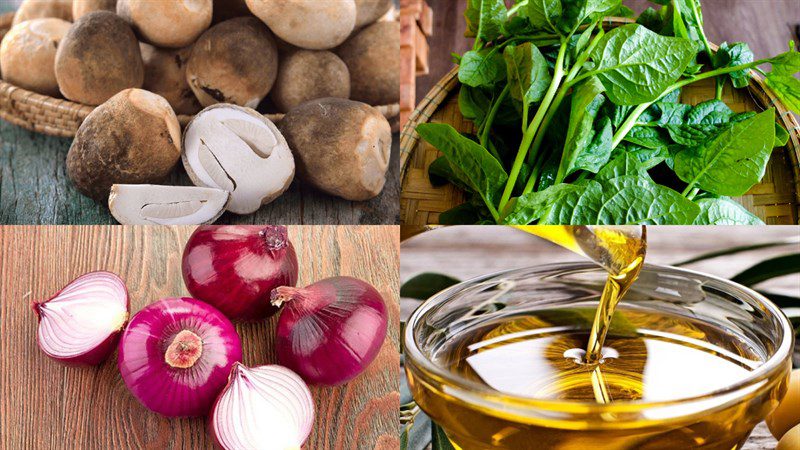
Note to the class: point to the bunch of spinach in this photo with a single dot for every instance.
(574, 123)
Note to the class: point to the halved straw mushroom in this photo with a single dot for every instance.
(148, 204)
(237, 149)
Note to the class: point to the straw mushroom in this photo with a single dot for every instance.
(368, 11)
(38, 9)
(172, 24)
(28, 54)
(98, 57)
(235, 61)
(371, 56)
(305, 75)
(134, 138)
(341, 147)
(239, 150)
(165, 75)
(310, 24)
(148, 204)
(82, 7)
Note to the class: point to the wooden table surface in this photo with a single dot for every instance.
(468, 251)
(44, 405)
(766, 25)
(34, 188)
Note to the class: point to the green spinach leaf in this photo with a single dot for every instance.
(724, 211)
(734, 161)
(482, 68)
(528, 74)
(544, 14)
(636, 65)
(588, 141)
(470, 162)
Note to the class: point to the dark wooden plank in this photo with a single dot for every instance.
(766, 25)
(44, 405)
(466, 252)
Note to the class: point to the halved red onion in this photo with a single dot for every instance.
(329, 331)
(176, 354)
(235, 267)
(81, 323)
(265, 407)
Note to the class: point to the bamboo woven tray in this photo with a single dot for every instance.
(775, 199)
(60, 117)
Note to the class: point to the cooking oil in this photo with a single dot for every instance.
(569, 360)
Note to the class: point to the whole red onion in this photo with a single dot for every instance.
(234, 268)
(176, 354)
(81, 323)
(329, 331)
(266, 407)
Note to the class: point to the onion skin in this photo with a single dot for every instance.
(101, 351)
(330, 331)
(234, 268)
(266, 407)
(174, 391)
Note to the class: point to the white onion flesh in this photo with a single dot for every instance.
(83, 315)
(263, 408)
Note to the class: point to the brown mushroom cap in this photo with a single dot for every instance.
(134, 138)
(373, 58)
(28, 54)
(38, 9)
(368, 11)
(165, 75)
(172, 24)
(310, 24)
(340, 146)
(235, 61)
(98, 57)
(305, 75)
(82, 7)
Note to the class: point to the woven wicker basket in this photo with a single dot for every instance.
(775, 199)
(60, 117)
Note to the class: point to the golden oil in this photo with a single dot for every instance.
(647, 357)
(576, 365)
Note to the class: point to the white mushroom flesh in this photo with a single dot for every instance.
(147, 204)
(227, 147)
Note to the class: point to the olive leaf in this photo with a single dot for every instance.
(736, 250)
(439, 439)
(734, 161)
(768, 269)
(637, 66)
(425, 285)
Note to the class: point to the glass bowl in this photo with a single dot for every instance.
(476, 416)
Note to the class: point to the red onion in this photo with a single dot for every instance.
(267, 407)
(234, 268)
(176, 354)
(81, 323)
(329, 331)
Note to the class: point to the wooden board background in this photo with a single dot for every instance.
(468, 251)
(44, 405)
(766, 25)
(34, 188)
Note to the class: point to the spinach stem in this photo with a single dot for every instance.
(720, 86)
(517, 6)
(696, 14)
(693, 193)
(492, 113)
(688, 189)
(527, 137)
